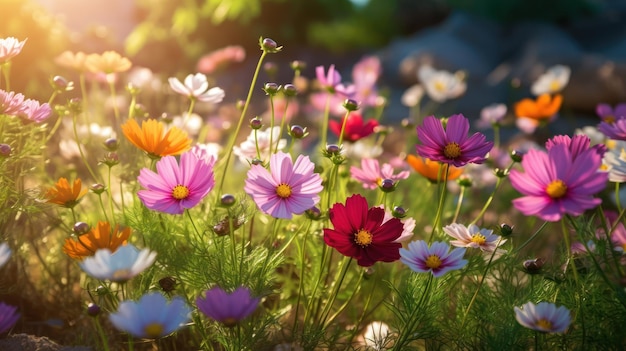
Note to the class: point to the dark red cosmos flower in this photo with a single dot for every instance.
(355, 128)
(360, 232)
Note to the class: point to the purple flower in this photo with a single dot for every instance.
(176, 187)
(11, 103)
(544, 317)
(608, 114)
(287, 188)
(371, 174)
(615, 129)
(8, 317)
(555, 183)
(436, 259)
(227, 308)
(451, 145)
(491, 115)
(576, 144)
(34, 112)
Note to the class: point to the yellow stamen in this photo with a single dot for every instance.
(556, 189)
(478, 239)
(609, 119)
(180, 192)
(440, 86)
(452, 150)
(121, 274)
(154, 330)
(433, 261)
(229, 322)
(363, 238)
(544, 324)
(555, 86)
(283, 190)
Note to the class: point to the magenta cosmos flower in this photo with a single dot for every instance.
(451, 145)
(371, 174)
(363, 233)
(555, 183)
(8, 317)
(615, 129)
(609, 114)
(544, 317)
(226, 308)
(436, 259)
(176, 187)
(576, 144)
(287, 188)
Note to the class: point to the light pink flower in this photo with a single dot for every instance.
(371, 174)
(10, 47)
(474, 237)
(34, 112)
(219, 58)
(197, 87)
(407, 222)
(436, 259)
(11, 103)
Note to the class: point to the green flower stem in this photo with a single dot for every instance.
(354, 292)
(413, 317)
(104, 211)
(493, 194)
(52, 97)
(192, 104)
(83, 93)
(282, 124)
(131, 107)
(325, 123)
(116, 111)
(103, 338)
(6, 70)
(617, 200)
(458, 204)
(80, 149)
(54, 129)
(442, 200)
(568, 247)
(272, 125)
(233, 137)
(531, 237)
(343, 127)
(111, 196)
(338, 283)
(496, 135)
(302, 273)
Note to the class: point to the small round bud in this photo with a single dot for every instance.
(313, 213)
(59, 83)
(407, 123)
(387, 185)
(132, 89)
(290, 90)
(93, 310)
(517, 156)
(75, 105)
(111, 144)
(110, 159)
(168, 284)
(81, 228)
(256, 123)
(398, 212)
(500, 173)
(269, 45)
(533, 266)
(368, 272)
(227, 200)
(240, 105)
(350, 105)
(297, 132)
(297, 65)
(97, 188)
(464, 181)
(166, 118)
(270, 68)
(333, 149)
(271, 88)
(5, 150)
(505, 229)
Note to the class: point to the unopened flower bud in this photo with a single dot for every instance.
(500, 173)
(59, 83)
(297, 132)
(505, 229)
(270, 46)
(93, 310)
(75, 105)
(97, 188)
(227, 200)
(271, 88)
(313, 213)
(168, 284)
(333, 149)
(368, 272)
(407, 123)
(387, 185)
(350, 105)
(290, 90)
(5, 150)
(132, 89)
(111, 159)
(111, 144)
(297, 65)
(81, 228)
(256, 161)
(517, 156)
(240, 105)
(398, 212)
(464, 181)
(256, 123)
(533, 266)
(270, 68)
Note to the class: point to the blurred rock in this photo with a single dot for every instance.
(23, 342)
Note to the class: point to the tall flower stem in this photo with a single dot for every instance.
(110, 194)
(343, 126)
(459, 203)
(531, 237)
(272, 124)
(442, 200)
(618, 203)
(493, 194)
(6, 70)
(80, 149)
(325, 122)
(116, 111)
(414, 317)
(282, 126)
(568, 247)
(233, 137)
(338, 283)
(103, 338)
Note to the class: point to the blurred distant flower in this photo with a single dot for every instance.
(5, 253)
(618, 238)
(334, 101)
(592, 133)
(555, 183)
(608, 114)
(190, 123)
(65, 195)
(432, 170)
(11, 103)
(150, 138)
(108, 62)
(544, 317)
(553, 81)
(328, 79)
(371, 174)
(34, 112)
(615, 163)
(120, 266)
(8, 317)
(227, 308)
(362, 148)
(413, 95)
(377, 336)
(247, 150)
(176, 187)
(75, 61)
(474, 237)
(360, 232)
(220, 58)
(441, 85)
(355, 129)
(531, 113)
(9, 48)
(143, 78)
(287, 188)
(98, 237)
(436, 259)
(151, 317)
(364, 75)
(207, 152)
(491, 115)
(451, 145)
(615, 129)
(197, 87)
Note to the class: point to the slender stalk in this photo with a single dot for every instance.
(116, 111)
(343, 127)
(103, 338)
(618, 203)
(458, 205)
(568, 247)
(325, 122)
(80, 149)
(272, 125)
(282, 124)
(6, 69)
(531, 237)
(413, 317)
(442, 200)
(335, 292)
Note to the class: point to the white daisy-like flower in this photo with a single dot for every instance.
(10, 47)
(614, 162)
(553, 81)
(5, 253)
(412, 96)
(441, 85)
(247, 150)
(377, 336)
(120, 266)
(474, 237)
(197, 87)
(544, 317)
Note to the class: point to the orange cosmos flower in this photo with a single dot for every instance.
(430, 169)
(65, 195)
(72, 60)
(543, 108)
(99, 237)
(107, 62)
(150, 138)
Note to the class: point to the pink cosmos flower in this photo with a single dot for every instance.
(474, 237)
(220, 58)
(328, 80)
(365, 74)
(544, 317)
(608, 114)
(408, 225)
(436, 259)
(576, 144)
(371, 174)
(10, 47)
(555, 183)
(451, 145)
(11, 103)
(287, 188)
(34, 112)
(227, 308)
(176, 187)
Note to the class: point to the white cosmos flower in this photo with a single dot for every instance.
(377, 336)
(554, 80)
(474, 237)
(441, 85)
(5, 253)
(247, 150)
(120, 266)
(544, 317)
(195, 87)
(412, 96)
(615, 162)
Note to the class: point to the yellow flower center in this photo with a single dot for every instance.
(544, 324)
(440, 86)
(283, 190)
(555, 85)
(180, 192)
(556, 189)
(153, 330)
(363, 238)
(452, 150)
(120, 275)
(609, 119)
(229, 322)
(478, 239)
(433, 261)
